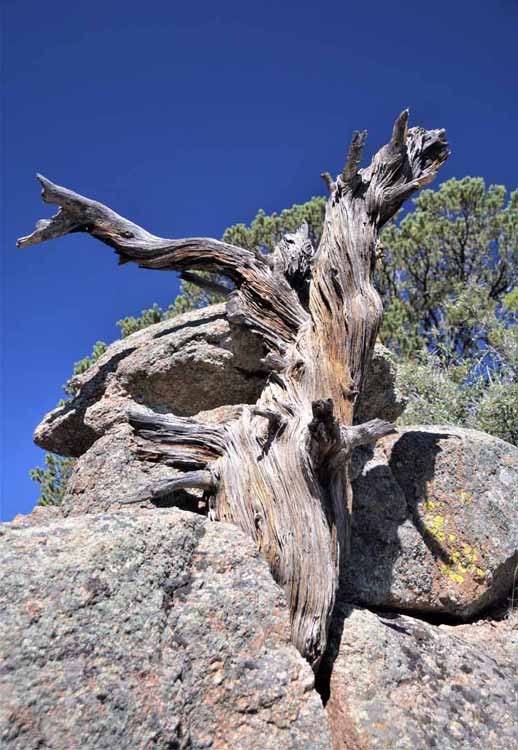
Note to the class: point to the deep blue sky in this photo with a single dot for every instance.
(188, 117)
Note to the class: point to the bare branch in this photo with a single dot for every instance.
(399, 131)
(202, 480)
(427, 151)
(330, 441)
(409, 161)
(354, 156)
(326, 176)
(263, 301)
(364, 434)
(131, 242)
(176, 441)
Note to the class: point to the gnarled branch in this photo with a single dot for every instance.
(330, 183)
(180, 442)
(263, 301)
(130, 241)
(409, 161)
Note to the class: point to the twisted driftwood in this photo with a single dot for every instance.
(281, 471)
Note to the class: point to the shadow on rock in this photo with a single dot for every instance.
(434, 530)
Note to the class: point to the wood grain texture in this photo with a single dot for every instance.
(281, 472)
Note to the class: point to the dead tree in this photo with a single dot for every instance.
(281, 471)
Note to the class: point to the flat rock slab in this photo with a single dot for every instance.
(402, 684)
(185, 365)
(149, 629)
(435, 522)
(193, 363)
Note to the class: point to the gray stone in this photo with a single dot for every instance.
(133, 630)
(435, 522)
(398, 683)
(497, 637)
(39, 516)
(192, 363)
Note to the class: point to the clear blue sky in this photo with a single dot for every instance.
(188, 117)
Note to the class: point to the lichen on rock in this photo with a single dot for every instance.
(435, 528)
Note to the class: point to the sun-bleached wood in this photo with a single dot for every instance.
(281, 471)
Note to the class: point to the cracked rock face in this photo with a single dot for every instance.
(403, 684)
(435, 528)
(147, 629)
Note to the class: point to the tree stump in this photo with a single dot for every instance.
(281, 471)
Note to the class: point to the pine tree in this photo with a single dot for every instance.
(53, 478)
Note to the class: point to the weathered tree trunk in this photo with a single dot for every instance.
(281, 472)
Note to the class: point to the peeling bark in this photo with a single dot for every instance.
(281, 471)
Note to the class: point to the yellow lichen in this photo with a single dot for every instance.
(450, 572)
(463, 556)
(436, 523)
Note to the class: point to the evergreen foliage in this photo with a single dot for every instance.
(448, 275)
(266, 230)
(449, 280)
(448, 269)
(53, 478)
